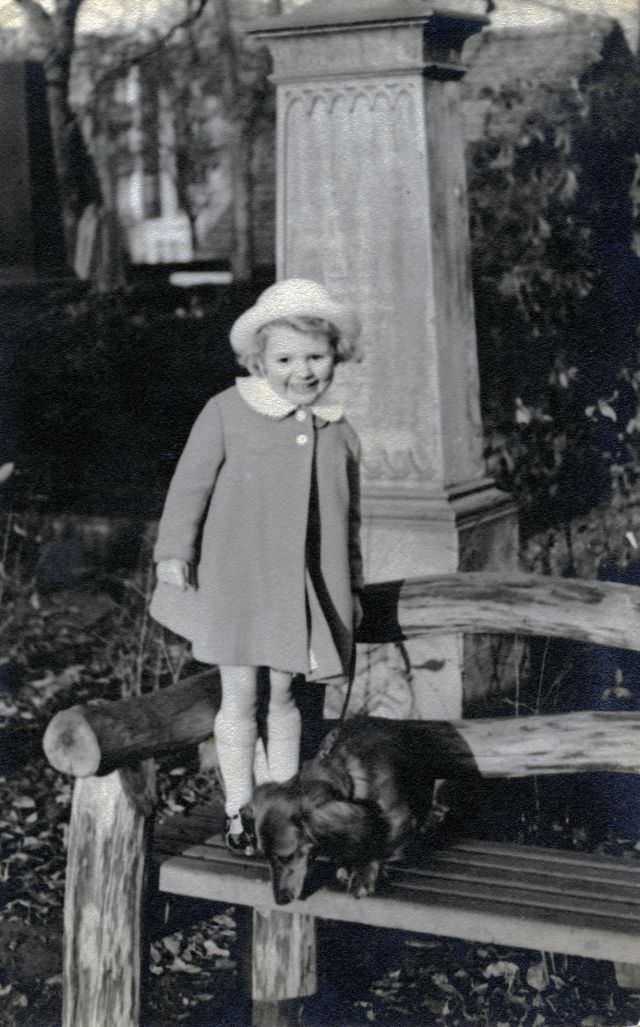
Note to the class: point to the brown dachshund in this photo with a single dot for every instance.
(357, 804)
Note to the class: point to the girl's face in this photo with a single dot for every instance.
(298, 367)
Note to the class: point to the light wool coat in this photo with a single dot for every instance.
(264, 503)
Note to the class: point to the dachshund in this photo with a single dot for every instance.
(357, 804)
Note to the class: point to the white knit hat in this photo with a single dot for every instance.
(293, 297)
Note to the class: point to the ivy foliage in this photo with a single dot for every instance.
(105, 390)
(553, 197)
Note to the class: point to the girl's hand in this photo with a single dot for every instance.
(357, 611)
(173, 572)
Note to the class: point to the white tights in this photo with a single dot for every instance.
(236, 732)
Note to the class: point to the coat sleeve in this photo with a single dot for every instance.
(191, 487)
(355, 551)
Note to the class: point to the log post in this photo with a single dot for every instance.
(627, 975)
(104, 945)
(283, 966)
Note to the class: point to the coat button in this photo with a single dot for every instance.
(300, 415)
(302, 439)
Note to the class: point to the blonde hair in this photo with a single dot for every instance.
(343, 349)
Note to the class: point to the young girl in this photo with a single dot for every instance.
(258, 557)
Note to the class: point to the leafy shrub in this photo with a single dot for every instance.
(553, 195)
(106, 389)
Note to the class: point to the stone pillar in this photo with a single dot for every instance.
(371, 200)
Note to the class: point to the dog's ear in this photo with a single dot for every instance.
(332, 772)
(344, 828)
(262, 795)
(336, 816)
(265, 792)
(275, 801)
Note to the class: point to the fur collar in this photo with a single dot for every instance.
(258, 394)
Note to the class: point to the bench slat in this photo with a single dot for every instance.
(588, 876)
(563, 893)
(460, 872)
(576, 903)
(470, 917)
(514, 894)
(447, 870)
(527, 853)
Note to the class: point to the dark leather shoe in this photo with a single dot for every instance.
(241, 842)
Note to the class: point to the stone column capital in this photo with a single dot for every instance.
(379, 36)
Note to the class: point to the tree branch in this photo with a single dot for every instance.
(159, 43)
(38, 20)
(65, 17)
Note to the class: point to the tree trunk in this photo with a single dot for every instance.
(104, 944)
(75, 170)
(242, 180)
(242, 254)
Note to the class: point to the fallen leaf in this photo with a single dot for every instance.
(501, 968)
(173, 944)
(187, 968)
(537, 976)
(212, 949)
(24, 802)
(226, 921)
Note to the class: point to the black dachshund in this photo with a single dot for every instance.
(357, 803)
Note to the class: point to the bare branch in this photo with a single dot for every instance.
(66, 15)
(158, 45)
(38, 20)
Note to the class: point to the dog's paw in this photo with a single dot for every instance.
(351, 880)
(363, 880)
(343, 876)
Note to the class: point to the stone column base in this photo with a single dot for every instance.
(471, 527)
(408, 534)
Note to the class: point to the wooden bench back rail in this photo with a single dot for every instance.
(475, 603)
(97, 738)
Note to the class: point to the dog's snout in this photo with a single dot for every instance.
(283, 898)
(287, 879)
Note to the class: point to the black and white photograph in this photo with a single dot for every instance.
(319, 513)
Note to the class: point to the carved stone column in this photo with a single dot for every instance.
(372, 200)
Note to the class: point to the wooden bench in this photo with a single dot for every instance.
(586, 905)
(481, 891)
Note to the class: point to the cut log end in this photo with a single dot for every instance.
(70, 744)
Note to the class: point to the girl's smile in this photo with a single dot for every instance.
(297, 366)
